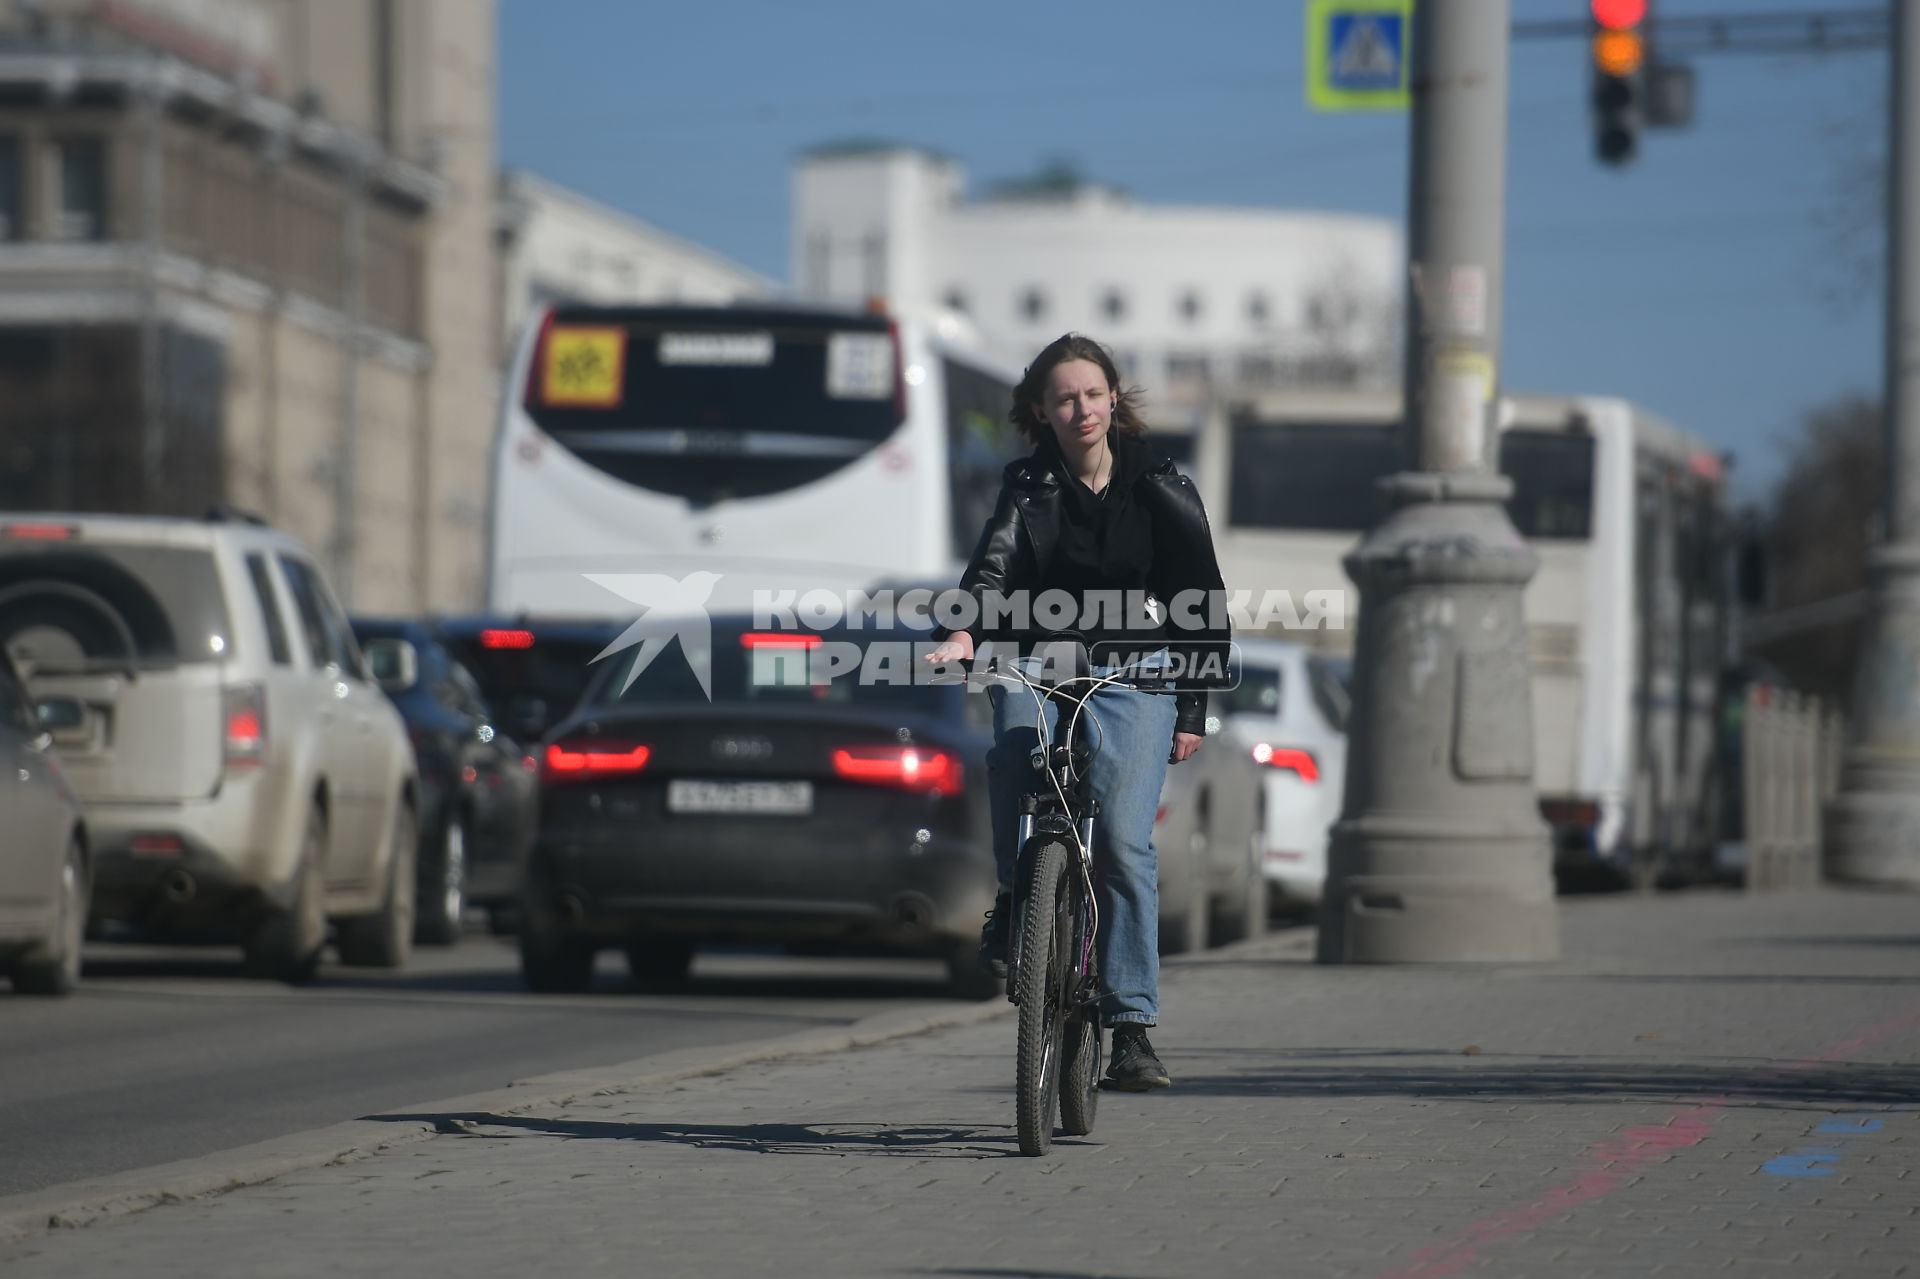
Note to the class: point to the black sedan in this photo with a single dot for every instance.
(811, 794)
(479, 796)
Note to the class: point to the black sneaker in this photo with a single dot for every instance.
(993, 937)
(1134, 1068)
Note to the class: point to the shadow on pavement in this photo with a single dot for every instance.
(1503, 1081)
(982, 1272)
(921, 1142)
(1911, 940)
(1745, 979)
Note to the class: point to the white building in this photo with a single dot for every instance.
(1192, 299)
(558, 246)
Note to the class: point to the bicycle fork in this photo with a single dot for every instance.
(1085, 989)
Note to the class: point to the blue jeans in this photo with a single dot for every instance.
(1132, 732)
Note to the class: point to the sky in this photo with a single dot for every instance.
(1729, 280)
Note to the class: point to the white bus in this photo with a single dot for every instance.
(1626, 614)
(780, 446)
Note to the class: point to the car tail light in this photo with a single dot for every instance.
(495, 637)
(151, 845)
(779, 639)
(571, 761)
(908, 767)
(1576, 814)
(244, 716)
(40, 532)
(1292, 759)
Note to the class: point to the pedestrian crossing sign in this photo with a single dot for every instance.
(1357, 54)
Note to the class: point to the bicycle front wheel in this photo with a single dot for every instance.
(1045, 934)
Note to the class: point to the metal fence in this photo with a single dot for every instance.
(1790, 769)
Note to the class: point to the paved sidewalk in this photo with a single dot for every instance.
(1705, 1085)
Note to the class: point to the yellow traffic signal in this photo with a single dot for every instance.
(1619, 53)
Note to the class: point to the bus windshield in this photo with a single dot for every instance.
(712, 404)
(1323, 476)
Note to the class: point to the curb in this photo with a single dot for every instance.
(84, 1203)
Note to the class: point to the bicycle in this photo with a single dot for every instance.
(1052, 963)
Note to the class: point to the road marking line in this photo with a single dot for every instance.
(1619, 1157)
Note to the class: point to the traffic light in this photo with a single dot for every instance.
(1619, 76)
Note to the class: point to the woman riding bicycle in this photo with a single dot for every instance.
(1095, 510)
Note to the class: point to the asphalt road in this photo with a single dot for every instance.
(169, 1054)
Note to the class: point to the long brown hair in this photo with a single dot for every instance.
(1029, 395)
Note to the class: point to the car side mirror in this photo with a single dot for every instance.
(394, 663)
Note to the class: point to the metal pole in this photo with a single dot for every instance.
(1441, 854)
(1875, 823)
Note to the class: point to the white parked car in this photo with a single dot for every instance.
(43, 852)
(243, 775)
(1289, 715)
(1210, 835)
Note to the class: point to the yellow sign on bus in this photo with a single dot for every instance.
(585, 367)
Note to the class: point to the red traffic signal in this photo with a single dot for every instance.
(1618, 15)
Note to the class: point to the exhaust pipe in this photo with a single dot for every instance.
(178, 887)
(911, 912)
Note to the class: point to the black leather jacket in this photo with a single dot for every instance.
(1025, 526)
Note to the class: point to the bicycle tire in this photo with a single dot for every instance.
(1080, 1074)
(1042, 1015)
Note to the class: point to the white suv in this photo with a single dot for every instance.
(244, 778)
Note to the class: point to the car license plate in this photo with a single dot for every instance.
(779, 798)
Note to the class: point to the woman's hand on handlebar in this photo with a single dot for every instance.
(957, 648)
(1184, 746)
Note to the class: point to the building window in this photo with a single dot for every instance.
(1114, 305)
(10, 200)
(80, 166)
(1258, 370)
(1033, 305)
(1257, 309)
(1190, 306)
(1188, 370)
(956, 300)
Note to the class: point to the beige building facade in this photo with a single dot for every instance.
(248, 257)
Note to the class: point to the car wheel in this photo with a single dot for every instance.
(555, 957)
(657, 960)
(444, 903)
(54, 967)
(384, 939)
(1244, 913)
(286, 947)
